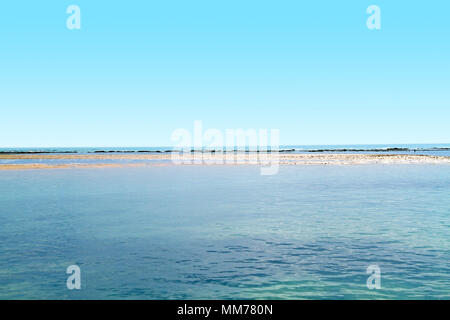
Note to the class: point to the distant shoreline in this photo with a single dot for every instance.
(282, 150)
(100, 160)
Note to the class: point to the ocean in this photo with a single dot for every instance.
(226, 232)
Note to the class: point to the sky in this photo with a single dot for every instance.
(138, 70)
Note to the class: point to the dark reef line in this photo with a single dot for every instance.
(235, 150)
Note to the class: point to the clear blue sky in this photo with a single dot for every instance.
(137, 70)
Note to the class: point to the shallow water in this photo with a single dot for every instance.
(210, 232)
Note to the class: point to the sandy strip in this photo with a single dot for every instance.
(218, 158)
(65, 166)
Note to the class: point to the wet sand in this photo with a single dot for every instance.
(38, 161)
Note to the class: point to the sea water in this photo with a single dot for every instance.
(222, 232)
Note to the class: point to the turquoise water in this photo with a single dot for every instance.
(206, 232)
